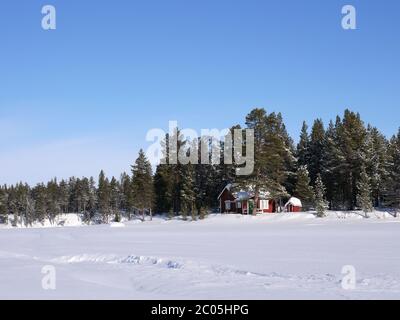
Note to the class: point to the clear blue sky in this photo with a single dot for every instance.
(82, 97)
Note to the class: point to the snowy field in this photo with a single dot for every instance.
(282, 256)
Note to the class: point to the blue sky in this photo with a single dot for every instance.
(82, 97)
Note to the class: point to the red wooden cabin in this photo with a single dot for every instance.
(242, 202)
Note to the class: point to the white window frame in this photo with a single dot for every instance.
(228, 205)
(264, 204)
(239, 205)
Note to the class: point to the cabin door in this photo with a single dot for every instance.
(251, 207)
(244, 207)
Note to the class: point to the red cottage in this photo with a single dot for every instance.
(232, 200)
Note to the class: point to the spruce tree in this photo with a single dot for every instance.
(351, 137)
(3, 205)
(392, 186)
(53, 200)
(163, 188)
(364, 199)
(320, 202)
(64, 196)
(115, 199)
(103, 194)
(377, 163)
(303, 189)
(126, 194)
(303, 147)
(12, 205)
(333, 167)
(167, 180)
(30, 214)
(316, 150)
(41, 202)
(187, 190)
(92, 199)
(142, 184)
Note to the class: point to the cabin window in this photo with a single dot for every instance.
(228, 205)
(264, 204)
(239, 205)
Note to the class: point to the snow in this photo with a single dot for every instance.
(294, 202)
(62, 220)
(278, 256)
(117, 225)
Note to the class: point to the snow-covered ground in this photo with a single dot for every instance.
(281, 256)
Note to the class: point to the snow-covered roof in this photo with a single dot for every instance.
(244, 193)
(294, 202)
(228, 187)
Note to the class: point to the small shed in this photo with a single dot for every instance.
(293, 205)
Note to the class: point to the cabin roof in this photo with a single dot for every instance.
(246, 193)
(294, 202)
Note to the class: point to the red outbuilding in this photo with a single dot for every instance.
(293, 205)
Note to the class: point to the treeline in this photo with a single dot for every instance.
(342, 166)
(101, 202)
(358, 165)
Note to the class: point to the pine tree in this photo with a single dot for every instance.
(257, 120)
(11, 205)
(53, 200)
(224, 173)
(167, 181)
(203, 213)
(364, 199)
(377, 162)
(333, 167)
(206, 183)
(303, 189)
(187, 195)
(303, 147)
(316, 150)
(163, 188)
(142, 184)
(3, 205)
(30, 214)
(126, 193)
(103, 195)
(392, 186)
(351, 137)
(24, 204)
(320, 202)
(115, 199)
(92, 198)
(64, 196)
(273, 153)
(40, 195)
(281, 160)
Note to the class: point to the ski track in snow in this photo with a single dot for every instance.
(201, 275)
